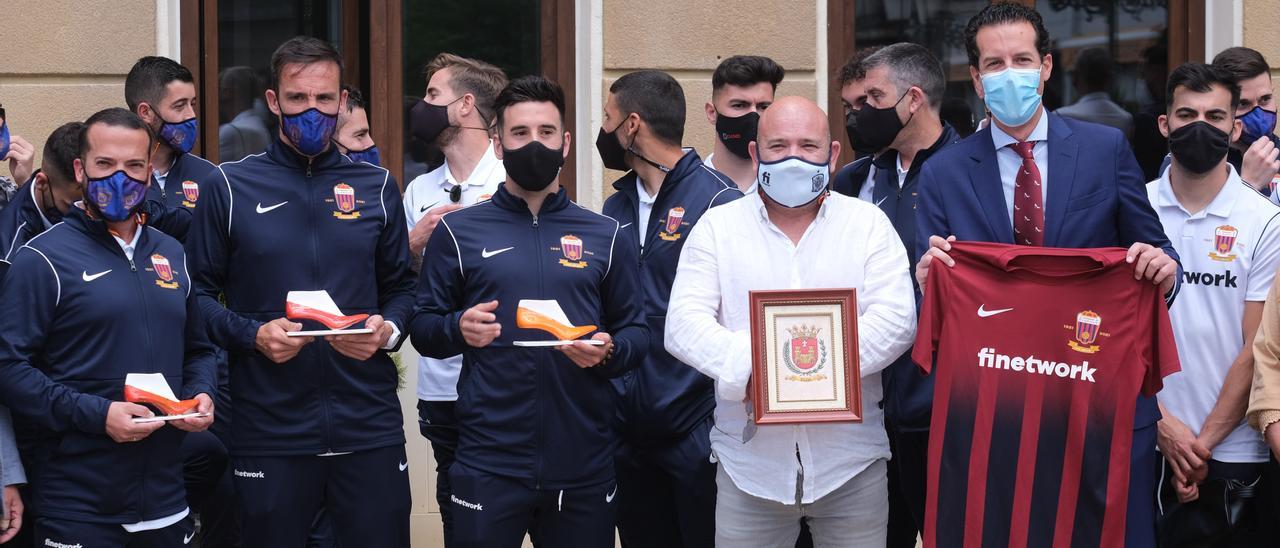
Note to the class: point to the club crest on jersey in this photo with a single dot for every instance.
(1088, 329)
(190, 193)
(572, 249)
(1224, 240)
(805, 353)
(671, 230)
(345, 198)
(164, 272)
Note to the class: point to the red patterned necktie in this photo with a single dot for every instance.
(1028, 198)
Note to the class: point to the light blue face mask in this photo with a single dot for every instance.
(1012, 95)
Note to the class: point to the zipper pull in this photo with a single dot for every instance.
(132, 267)
(535, 221)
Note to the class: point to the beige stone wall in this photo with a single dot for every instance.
(689, 39)
(1260, 17)
(68, 59)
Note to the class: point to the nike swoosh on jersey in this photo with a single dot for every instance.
(424, 208)
(485, 253)
(625, 226)
(984, 313)
(86, 276)
(404, 466)
(266, 209)
(881, 201)
(609, 498)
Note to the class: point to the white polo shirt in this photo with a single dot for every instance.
(1229, 253)
(438, 379)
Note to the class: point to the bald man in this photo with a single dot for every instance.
(832, 475)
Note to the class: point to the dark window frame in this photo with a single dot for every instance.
(1185, 45)
(375, 65)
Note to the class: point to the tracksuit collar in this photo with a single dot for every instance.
(506, 200)
(285, 155)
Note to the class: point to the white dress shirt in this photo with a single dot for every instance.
(438, 379)
(868, 189)
(734, 249)
(644, 210)
(1011, 163)
(709, 162)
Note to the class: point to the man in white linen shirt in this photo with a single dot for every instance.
(793, 234)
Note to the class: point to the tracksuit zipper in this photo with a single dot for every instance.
(537, 372)
(315, 275)
(146, 323)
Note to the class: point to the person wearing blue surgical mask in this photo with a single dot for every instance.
(1256, 154)
(1035, 178)
(352, 134)
(21, 156)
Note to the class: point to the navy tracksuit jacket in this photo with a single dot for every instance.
(530, 413)
(91, 316)
(276, 222)
(20, 221)
(908, 394)
(170, 208)
(664, 398)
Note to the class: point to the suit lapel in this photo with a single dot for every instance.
(1062, 174)
(985, 178)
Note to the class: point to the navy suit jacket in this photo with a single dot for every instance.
(1096, 198)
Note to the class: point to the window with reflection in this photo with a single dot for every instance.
(937, 25)
(248, 32)
(505, 33)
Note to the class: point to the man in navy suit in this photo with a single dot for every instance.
(1035, 178)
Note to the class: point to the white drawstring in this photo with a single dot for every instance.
(560, 501)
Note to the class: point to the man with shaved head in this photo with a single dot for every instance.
(831, 475)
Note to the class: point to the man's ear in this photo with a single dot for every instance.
(835, 156)
(711, 113)
(41, 181)
(568, 140)
(1237, 129)
(78, 167)
(147, 113)
(977, 81)
(273, 101)
(1162, 123)
(497, 146)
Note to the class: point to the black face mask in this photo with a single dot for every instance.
(736, 133)
(612, 153)
(1198, 146)
(878, 127)
(428, 121)
(533, 166)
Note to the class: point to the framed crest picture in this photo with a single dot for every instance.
(804, 356)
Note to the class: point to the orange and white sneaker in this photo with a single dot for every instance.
(151, 389)
(548, 316)
(318, 306)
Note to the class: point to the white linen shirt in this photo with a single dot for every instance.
(734, 249)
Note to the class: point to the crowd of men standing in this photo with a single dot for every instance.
(127, 253)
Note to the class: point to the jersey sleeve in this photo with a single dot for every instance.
(32, 286)
(395, 280)
(930, 326)
(1266, 258)
(208, 258)
(623, 302)
(1161, 356)
(439, 303)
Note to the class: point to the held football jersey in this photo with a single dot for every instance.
(1039, 356)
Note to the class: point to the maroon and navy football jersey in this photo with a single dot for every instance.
(1039, 356)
